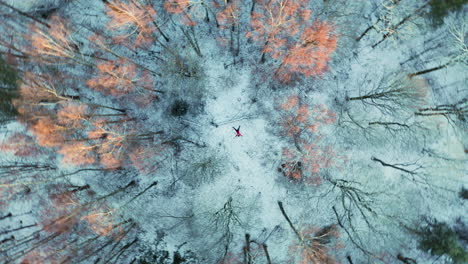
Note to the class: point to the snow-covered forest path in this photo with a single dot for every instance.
(248, 174)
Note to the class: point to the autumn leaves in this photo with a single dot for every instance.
(284, 30)
(86, 93)
(132, 20)
(303, 126)
(87, 133)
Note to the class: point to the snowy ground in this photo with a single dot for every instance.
(180, 213)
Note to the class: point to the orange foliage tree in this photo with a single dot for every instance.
(48, 133)
(303, 125)
(147, 158)
(55, 129)
(37, 91)
(229, 13)
(188, 10)
(77, 154)
(53, 44)
(66, 208)
(37, 88)
(82, 134)
(65, 215)
(66, 124)
(132, 18)
(120, 77)
(315, 245)
(228, 17)
(85, 139)
(275, 22)
(113, 142)
(283, 28)
(101, 219)
(62, 213)
(44, 255)
(311, 54)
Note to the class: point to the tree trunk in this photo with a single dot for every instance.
(406, 260)
(369, 96)
(402, 22)
(367, 31)
(267, 255)
(24, 14)
(280, 204)
(247, 255)
(430, 69)
(252, 9)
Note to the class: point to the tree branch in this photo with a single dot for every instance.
(392, 166)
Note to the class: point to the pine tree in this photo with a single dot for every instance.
(8, 91)
(441, 8)
(463, 193)
(438, 238)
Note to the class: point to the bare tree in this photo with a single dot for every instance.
(459, 110)
(224, 221)
(458, 33)
(394, 93)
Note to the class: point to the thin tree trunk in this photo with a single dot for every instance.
(402, 22)
(14, 55)
(280, 204)
(367, 30)
(267, 255)
(54, 178)
(406, 260)
(388, 124)
(16, 229)
(430, 69)
(421, 53)
(100, 115)
(370, 96)
(252, 9)
(122, 250)
(24, 14)
(139, 194)
(262, 59)
(192, 41)
(247, 255)
(107, 107)
(92, 253)
(238, 46)
(395, 2)
(37, 245)
(392, 166)
(7, 239)
(80, 188)
(6, 216)
(231, 41)
(109, 256)
(166, 38)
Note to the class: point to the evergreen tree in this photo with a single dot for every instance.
(438, 239)
(463, 193)
(8, 91)
(440, 8)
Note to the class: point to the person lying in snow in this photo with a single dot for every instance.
(238, 133)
